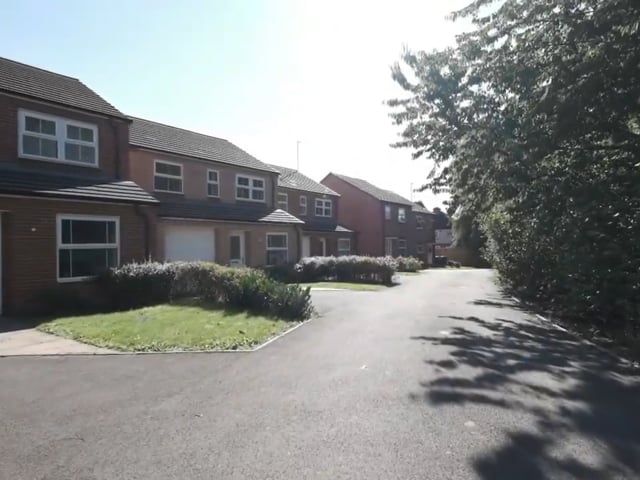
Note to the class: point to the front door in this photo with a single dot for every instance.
(323, 246)
(306, 246)
(389, 244)
(236, 249)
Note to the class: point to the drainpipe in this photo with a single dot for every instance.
(147, 229)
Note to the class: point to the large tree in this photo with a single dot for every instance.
(533, 121)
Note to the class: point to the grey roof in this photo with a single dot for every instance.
(376, 192)
(420, 209)
(226, 211)
(19, 181)
(157, 136)
(323, 226)
(290, 178)
(34, 82)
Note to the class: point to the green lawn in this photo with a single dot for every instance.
(362, 287)
(186, 326)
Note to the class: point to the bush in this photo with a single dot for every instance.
(408, 264)
(137, 285)
(350, 268)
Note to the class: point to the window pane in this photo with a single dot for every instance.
(276, 257)
(86, 135)
(258, 183)
(30, 145)
(88, 231)
(242, 192)
(213, 176)
(257, 194)
(87, 154)
(212, 190)
(277, 241)
(48, 148)
(168, 169)
(72, 152)
(33, 124)
(243, 181)
(73, 133)
(111, 232)
(161, 183)
(175, 185)
(65, 231)
(89, 262)
(303, 201)
(64, 263)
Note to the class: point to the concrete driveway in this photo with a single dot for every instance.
(439, 378)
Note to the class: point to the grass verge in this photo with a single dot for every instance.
(361, 287)
(184, 326)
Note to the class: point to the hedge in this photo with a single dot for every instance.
(141, 284)
(409, 264)
(349, 268)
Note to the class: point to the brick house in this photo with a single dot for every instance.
(386, 223)
(317, 205)
(217, 202)
(66, 210)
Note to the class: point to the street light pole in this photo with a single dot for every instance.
(298, 142)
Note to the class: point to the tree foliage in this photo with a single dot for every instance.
(533, 122)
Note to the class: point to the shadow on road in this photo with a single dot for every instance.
(570, 389)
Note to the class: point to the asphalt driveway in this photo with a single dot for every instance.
(439, 378)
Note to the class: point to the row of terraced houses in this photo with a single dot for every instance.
(84, 187)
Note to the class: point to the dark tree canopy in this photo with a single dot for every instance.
(533, 122)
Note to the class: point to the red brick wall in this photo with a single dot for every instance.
(112, 145)
(30, 251)
(359, 212)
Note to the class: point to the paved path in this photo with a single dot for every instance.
(32, 342)
(439, 378)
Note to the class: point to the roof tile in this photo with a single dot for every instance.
(34, 82)
(226, 211)
(157, 136)
(376, 192)
(290, 178)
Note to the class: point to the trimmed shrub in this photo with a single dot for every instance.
(137, 285)
(408, 264)
(350, 268)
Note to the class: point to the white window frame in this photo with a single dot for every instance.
(387, 212)
(276, 249)
(325, 205)
(402, 241)
(251, 188)
(341, 251)
(279, 195)
(60, 137)
(388, 242)
(420, 222)
(303, 205)
(165, 175)
(402, 215)
(83, 246)
(209, 182)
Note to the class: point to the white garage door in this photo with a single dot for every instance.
(189, 243)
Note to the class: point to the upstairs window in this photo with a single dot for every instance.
(45, 137)
(213, 183)
(323, 207)
(387, 212)
(250, 188)
(419, 222)
(167, 177)
(303, 205)
(283, 201)
(402, 215)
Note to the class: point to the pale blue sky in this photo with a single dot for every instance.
(262, 74)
